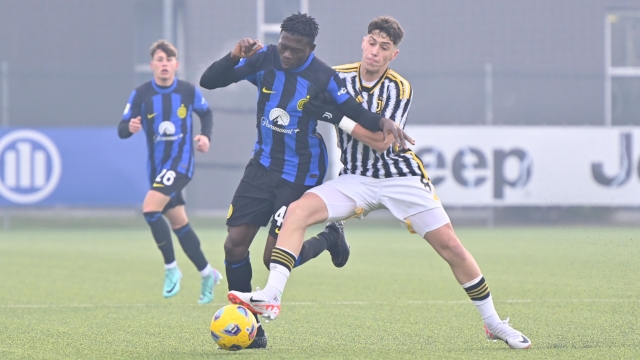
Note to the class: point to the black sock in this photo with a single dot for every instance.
(191, 246)
(312, 247)
(161, 234)
(239, 274)
(260, 331)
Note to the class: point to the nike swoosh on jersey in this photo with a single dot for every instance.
(264, 90)
(150, 116)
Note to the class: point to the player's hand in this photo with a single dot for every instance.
(323, 108)
(202, 143)
(400, 138)
(135, 125)
(245, 48)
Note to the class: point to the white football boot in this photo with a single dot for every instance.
(257, 302)
(503, 331)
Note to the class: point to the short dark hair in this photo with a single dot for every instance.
(388, 25)
(165, 46)
(301, 25)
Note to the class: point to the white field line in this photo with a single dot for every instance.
(359, 303)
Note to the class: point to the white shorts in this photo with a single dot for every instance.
(407, 198)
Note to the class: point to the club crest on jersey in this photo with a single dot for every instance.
(182, 112)
(279, 116)
(302, 102)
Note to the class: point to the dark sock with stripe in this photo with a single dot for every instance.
(239, 274)
(191, 246)
(312, 247)
(478, 291)
(161, 234)
(283, 257)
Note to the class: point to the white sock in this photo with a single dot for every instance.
(278, 277)
(487, 312)
(478, 288)
(206, 271)
(172, 265)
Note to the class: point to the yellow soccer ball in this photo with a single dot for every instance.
(233, 327)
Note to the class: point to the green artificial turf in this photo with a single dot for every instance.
(95, 293)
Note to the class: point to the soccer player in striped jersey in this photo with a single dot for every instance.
(289, 156)
(162, 108)
(375, 177)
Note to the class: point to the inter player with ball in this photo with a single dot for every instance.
(289, 156)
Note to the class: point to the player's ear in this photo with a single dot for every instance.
(364, 40)
(313, 47)
(395, 53)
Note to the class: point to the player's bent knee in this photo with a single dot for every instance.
(298, 214)
(307, 211)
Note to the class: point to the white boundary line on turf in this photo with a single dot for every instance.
(433, 302)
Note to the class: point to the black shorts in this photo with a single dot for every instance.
(260, 195)
(170, 183)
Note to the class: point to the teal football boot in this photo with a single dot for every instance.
(208, 282)
(171, 282)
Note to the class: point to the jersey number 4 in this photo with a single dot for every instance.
(166, 177)
(279, 216)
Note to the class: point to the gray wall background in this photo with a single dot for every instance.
(71, 63)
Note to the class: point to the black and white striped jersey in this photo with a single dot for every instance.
(390, 97)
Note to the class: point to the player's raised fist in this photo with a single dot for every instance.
(135, 125)
(245, 48)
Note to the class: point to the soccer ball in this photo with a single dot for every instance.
(233, 327)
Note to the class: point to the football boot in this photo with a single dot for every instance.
(257, 302)
(172, 278)
(503, 331)
(338, 246)
(206, 288)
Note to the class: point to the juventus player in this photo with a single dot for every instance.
(372, 179)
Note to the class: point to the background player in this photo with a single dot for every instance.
(373, 180)
(289, 156)
(163, 109)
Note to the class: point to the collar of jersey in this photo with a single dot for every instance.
(372, 88)
(164, 90)
(304, 66)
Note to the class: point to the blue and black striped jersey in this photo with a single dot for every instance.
(287, 140)
(166, 117)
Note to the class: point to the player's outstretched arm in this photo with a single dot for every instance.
(221, 73)
(324, 108)
(372, 139)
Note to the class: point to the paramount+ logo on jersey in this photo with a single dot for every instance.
(512, 168)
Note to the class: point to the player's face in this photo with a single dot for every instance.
(164, 68)
(377, 52)
(294, 50)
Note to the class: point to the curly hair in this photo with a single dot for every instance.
(301, 25)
